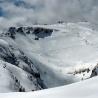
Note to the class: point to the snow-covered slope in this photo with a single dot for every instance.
(44, 56)
(17, 71)
(84, 89)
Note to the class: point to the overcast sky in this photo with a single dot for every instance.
(28, 12)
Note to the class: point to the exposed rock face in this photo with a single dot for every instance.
(12, 32)
(94, 71)
(41, 32)
(37, 31)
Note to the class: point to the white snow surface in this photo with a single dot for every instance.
(71, 47)
(62, 58)
(8, 76)
(84, 89)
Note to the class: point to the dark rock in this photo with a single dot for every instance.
(12, 32)
(37, 75)
(94, 72)
(20, 30)
(36, 38)
(42, 33)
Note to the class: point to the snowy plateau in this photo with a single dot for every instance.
(49, 61)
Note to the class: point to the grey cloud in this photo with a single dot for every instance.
(28, 12)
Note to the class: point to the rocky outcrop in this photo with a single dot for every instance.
(94, 71)
(39, 32)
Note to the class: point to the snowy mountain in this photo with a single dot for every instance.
(45, 56)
